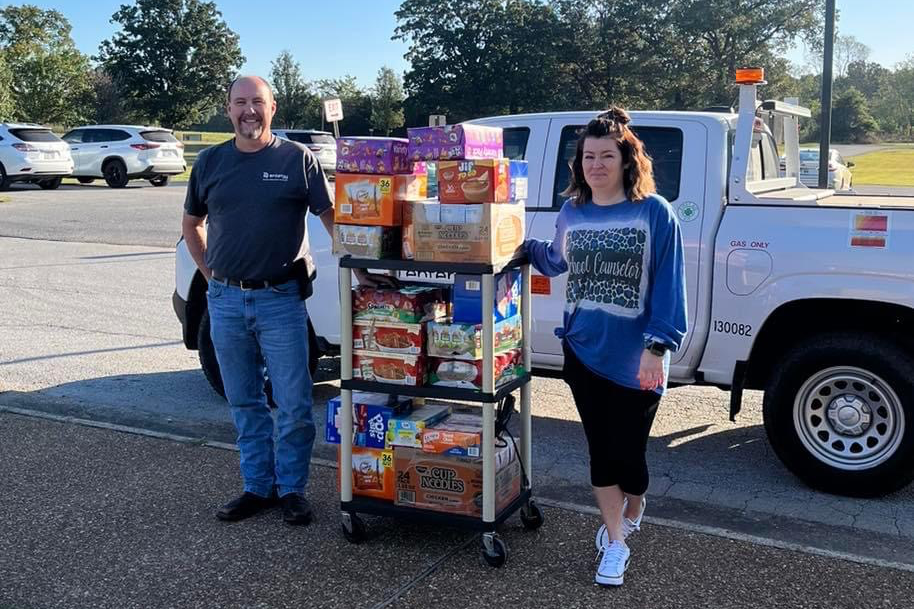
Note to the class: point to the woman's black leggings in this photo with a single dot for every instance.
(617, 422)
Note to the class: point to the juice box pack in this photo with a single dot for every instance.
(406, 430)
(464, 341)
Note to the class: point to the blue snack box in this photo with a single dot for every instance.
(371, 413)
(518, 176)
(467, 295)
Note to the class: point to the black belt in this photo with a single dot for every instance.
(253, 284)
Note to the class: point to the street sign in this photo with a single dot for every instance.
(437, 120)
(333, 110)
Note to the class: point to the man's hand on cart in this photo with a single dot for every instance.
(375, 280)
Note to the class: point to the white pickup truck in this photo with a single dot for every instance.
(805, 294)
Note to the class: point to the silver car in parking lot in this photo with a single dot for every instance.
(32, 153)
(321, 143)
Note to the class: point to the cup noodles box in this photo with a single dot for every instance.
(453, 484)
(467, 297)
(455, 142)
(483, 233)
(483, 181)
(460, 434)
(371, 242)
(381, 155)
(375, 200)
(373, 473)
(464, 341)
(371, 415)
(462, 374)
(388, 337)
(409, 304)
(391, 368)
(406, 429)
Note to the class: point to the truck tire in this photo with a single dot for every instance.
(839, 413)
(210, 365)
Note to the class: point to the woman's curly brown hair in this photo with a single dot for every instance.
(638, 171)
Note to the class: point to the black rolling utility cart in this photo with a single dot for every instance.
(493, 548)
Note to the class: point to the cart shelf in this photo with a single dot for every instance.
(381, 507)
(444, 393)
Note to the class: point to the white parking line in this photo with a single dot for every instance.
(573, 507)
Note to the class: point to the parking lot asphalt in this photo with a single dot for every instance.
(97, 518)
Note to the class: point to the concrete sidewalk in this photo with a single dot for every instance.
(99, 518)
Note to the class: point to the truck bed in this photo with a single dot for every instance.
(828, 198)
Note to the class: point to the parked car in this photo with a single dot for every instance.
(839, 172)
(802, 293)
(32, 153)
(120, 153)
(321, 143)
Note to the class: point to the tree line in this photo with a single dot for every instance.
(170, 61)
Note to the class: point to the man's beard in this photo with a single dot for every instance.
(250, 131)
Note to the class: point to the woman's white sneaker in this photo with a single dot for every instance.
(613, 564)
(628, 526)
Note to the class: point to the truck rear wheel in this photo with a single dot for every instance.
(210, 365)
(839, 413)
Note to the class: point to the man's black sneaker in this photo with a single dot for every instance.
(244, 507)
(295, 509)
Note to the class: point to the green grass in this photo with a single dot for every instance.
(207, 137)
(893, 167)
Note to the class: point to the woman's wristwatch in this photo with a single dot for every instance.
(656, 348)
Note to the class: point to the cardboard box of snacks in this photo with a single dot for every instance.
(389, 368)
(370, 242)
(482, 233)
(453, 484)
(484, 181)
(464, 341)
(373, 473)
(375, 200)
(406, 430)
(462, 141)
(381, 155)
(388, 337)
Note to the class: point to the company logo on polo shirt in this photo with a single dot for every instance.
(275, 177)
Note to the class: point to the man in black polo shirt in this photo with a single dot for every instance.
(253, 193)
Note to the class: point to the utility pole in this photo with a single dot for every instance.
(825, 118)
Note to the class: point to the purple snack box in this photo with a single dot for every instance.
(452, 142)
(377, 155)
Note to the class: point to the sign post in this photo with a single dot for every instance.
(333, 113)
(436, 120)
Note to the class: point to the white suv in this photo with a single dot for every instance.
(119, 153)
(32, 153)
(321, 143)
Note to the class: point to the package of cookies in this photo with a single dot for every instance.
(461, 141)
(381, 155)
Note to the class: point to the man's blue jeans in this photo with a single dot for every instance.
(268, 325)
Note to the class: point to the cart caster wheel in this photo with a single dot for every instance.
(354, 528)
(494, 551)
(531, 516)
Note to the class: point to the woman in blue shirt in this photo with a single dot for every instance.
(625, 312)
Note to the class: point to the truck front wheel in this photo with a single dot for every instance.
(210, 364)
(839, 413)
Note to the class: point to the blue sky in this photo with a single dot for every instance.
(330, 39)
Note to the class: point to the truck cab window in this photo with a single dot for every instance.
(663, 144)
